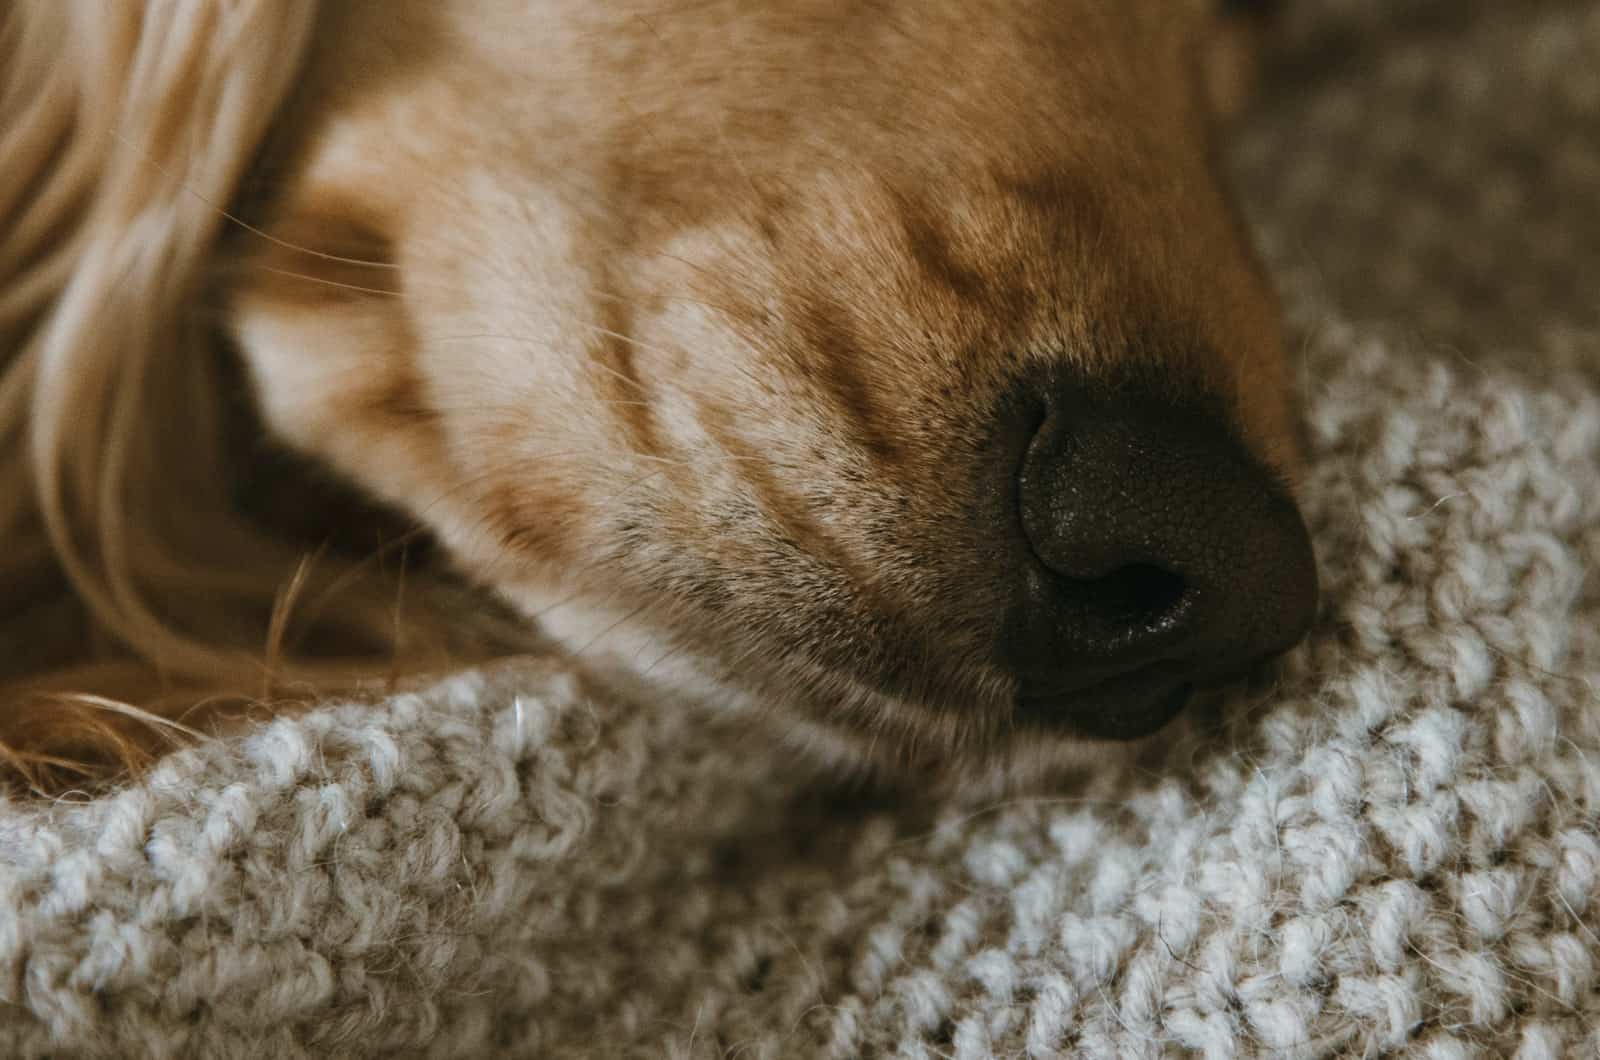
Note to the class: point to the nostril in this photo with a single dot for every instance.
(1138, 594)
(1131, 615)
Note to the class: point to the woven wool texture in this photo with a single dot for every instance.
(1390, 848)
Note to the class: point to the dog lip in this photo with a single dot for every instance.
(1098, 683)
(1125, 707)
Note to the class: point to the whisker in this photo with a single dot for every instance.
(246, 265)
(187, 188)
(324, 281)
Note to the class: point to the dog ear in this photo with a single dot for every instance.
(1231, 58)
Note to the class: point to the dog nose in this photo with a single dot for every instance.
(1161, 556)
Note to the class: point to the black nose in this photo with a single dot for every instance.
(1161, 556)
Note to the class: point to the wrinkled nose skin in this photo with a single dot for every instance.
(1159, 555)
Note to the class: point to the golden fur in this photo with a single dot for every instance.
(654, 314)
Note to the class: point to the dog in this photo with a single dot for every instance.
(897, 368)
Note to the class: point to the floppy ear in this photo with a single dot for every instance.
(132, 586)
(1231, 58)
(124, 131)
(156, 111)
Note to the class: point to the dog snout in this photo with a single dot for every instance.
(1157, 554)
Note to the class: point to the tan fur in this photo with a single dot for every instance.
(681, 326)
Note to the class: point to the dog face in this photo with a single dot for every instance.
(902, 367)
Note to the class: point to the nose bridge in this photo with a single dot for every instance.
(1181, 307)
(1138, 254)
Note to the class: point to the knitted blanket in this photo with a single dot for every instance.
(1390, 847)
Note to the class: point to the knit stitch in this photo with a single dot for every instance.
(1389, 846)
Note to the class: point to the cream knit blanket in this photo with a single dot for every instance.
(1392, 850)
